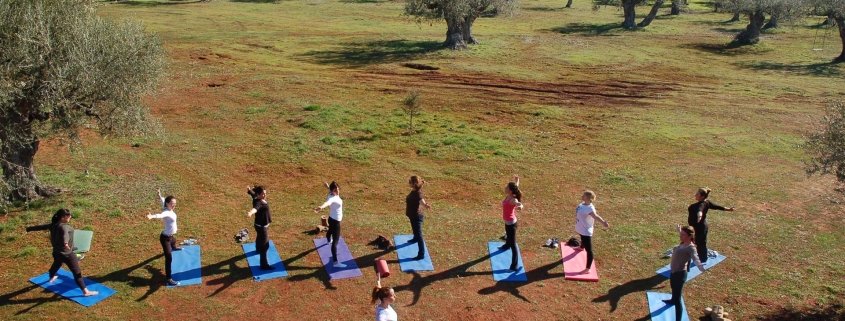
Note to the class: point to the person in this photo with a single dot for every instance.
(512, 201)
(168, 242)
(698, 219)
(415, 215)
(382, 298)
(681, 256)
(585, 217)
(261, 210)
(61, 239)
(335, 205)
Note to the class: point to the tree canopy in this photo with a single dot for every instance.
(459, 16)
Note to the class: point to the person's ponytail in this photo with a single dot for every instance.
(379, 294)
(515, 191)
(59, 215)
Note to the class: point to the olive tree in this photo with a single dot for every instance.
(756, 10)
(834, 10)
(63, 69)
(459, 16)
(826, 145)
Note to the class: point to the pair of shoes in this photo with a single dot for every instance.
(668, 302)
(171, 282)
(412, 241)
(268, 267)
(548, 243)
(555, 243)
(339, 265)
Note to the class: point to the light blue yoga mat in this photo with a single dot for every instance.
(693, 271)
(273, 259)
(406, 253)
(501, 263)
(324, 249)
(661, 311)
(66, 287)
(186, 267)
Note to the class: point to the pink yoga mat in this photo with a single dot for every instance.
(574, 261)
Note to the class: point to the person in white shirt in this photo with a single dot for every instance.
(168, 242)
(335, 205)
(585, 216)
(383, 297)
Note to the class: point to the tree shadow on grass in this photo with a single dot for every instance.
(615, 294)
(150, 3)
(419, 282)
(256, 1)
(360, 54)
(534, 275)
(831, 313)
(824, 69)
(362, 1)
(590, 29)
(8, 299)
(731, 49)
(543, 8)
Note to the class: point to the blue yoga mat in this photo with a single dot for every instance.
(693, 271)
(661, 311)
(255, 263)
(406, 253)
(66, 287)
(186, 266)
(324, 249)
(501, 263)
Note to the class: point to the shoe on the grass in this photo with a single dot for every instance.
(172, 283)
(339, 265)
(548, 243)
(555, 243)
(80, 256)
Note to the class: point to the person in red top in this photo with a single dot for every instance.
(511, 202)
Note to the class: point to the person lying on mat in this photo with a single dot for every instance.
(61, 237)
(382, 298)
(698, 219)
(415, 214)
(585, 216)
(168, 242)
(681, 256)
(512, 201)
(261, 210)
(335, 205)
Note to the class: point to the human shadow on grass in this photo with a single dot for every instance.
(828, 312)
(419, 282)
(150, 3)
(230, 270)
(124, 276)
(615, 294)
(9, 299)
(360, 54)
(542, 273)
(590, 29)
(825, 69)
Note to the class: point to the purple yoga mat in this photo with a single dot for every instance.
(344, 256)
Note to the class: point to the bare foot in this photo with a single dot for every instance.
(90, 293)
(53, 278)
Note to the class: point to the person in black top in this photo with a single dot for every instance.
(415, 214)
(698, 219)
(61, 238)
(261, 210)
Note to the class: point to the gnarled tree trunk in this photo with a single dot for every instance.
(676, 7)
(773, 22)
(18, 145)
(651, 14)
(751, 34)
(629, 10)
(735, 18)
(568, 4)
(840, 22)
(466, 30)
(454, 34)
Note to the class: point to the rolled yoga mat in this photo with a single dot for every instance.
(693, 271)
(66, 287)
(186, 266)
(500, 260)
(254, 261)
(382, 268)
(660, 311)
(575, 261)
(406, 253)
(324, 249)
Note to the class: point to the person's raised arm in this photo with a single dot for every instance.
(161, 199)
(250, 192)
(516, 179)
(597, 217)
(718, 207)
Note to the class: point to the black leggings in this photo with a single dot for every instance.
(587, 245)
(701, 241)
(72, 264)
(416, 226)
(510, 243)
(676, 282)
(262, 244)
(168, 243)
(334, 234)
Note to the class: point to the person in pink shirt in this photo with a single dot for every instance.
(511, 203)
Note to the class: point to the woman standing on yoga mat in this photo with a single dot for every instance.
(698, 219)
(61, 238)
(335, 205)
(585, 216)
(382, 298)
(415, 214)
(681, 256)
(261, 210)
(168, 242)
(511, 202)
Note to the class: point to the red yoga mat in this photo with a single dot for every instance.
(574, 261)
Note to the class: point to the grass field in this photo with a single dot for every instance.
(294, 93)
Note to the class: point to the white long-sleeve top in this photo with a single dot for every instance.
(169, 218)
(335, 205)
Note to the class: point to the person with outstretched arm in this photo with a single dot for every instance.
(698, 219)
(512, 201)
(681, 255)
(261, 210)
(167, 239)
(585, 217)
(414, 213)
(61, 239)
(335, 205)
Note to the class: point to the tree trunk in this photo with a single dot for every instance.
(629, 9)
(18, 172)
(773, 22)
(751, 35)
(716, 6)
(454, 34)
(735, 17)
(676, 8)
(840, 22)
(651, 14)
(568, 4)
(466, 30)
